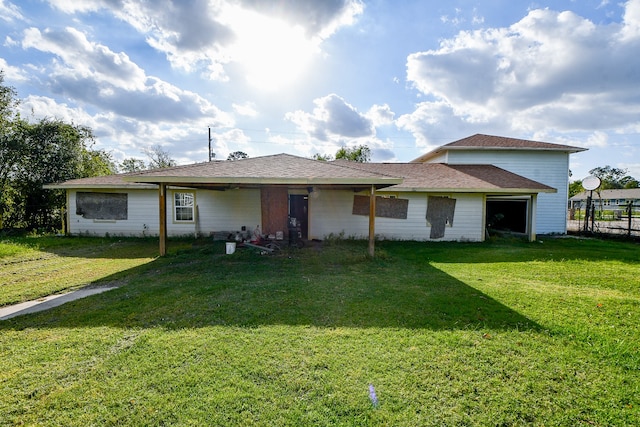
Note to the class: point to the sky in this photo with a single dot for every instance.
(307, 77)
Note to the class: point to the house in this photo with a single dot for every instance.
(613, 199)
(540, 161)
(452, 193)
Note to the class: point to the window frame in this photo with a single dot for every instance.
(177, 218)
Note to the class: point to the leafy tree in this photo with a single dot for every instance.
(361, 153)
(159, 158)
(132, 165)
(613, 178)
(322, 157)
(34, 154)
(237, 155)
(575, 187)
(53, 151)
(9, 142)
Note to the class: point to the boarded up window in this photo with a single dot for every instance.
(107, 206)
(385, 207)
(440, 212)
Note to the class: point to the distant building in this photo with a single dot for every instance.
(617, 199)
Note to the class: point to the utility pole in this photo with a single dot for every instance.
(210, 143)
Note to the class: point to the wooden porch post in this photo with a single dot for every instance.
(162, 198)
(533, 208)
(372, 220)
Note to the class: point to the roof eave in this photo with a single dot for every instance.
(132, 186)
(264, 181)
(472, 190)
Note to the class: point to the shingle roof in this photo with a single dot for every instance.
(274, 169)
(293, 170)
(98, 182)
(628, 193)
(490, 142)
(454, 178)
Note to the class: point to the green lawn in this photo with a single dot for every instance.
(499, 333)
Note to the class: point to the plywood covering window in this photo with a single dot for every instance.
(386, 207)
(101, 206)
(183, 204)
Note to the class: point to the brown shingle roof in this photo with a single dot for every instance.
(293, 170)
(454, 178)
(490, 142)
(274, 169)
(98, 182)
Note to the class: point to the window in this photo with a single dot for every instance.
(183, 207)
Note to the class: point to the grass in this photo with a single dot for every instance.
(499, 333)
(35, 266)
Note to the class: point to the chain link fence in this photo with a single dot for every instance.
(617, 222)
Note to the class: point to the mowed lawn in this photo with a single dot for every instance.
(425, 334)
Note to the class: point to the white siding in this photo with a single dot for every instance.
(548, 167)
(330, 212)
(142, 216)
(218, 211)
(228, 210)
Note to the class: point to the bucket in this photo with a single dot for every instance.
(231, 247)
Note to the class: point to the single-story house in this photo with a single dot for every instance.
(453, 193)
(612, 199)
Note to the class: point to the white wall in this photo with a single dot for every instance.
(547, 167)
(142, 216)
(218, 211)
(330, 212)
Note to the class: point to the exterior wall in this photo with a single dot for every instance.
(228, 210)
(142, 216)
(217, 211)
(548, 167)
(330, 212)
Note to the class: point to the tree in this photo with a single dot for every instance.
(34, 154)
(53, 151)
(9, 142)
(159, 158)
(131, 165)
(361, 154)
(237, 155)
(575, 187)
(322, 157)
(613, 178)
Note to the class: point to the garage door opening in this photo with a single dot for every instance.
(507, 215)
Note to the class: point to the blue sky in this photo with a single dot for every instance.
(307, 76)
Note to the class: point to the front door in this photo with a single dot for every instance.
(299, 209)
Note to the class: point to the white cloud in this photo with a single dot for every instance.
(380, 115)
(91, 73)
(10, 12)
(273, 38)
(333, 117)
(247, 109)
(12, 73)
(434, 123)
(83, 58)
(553, 71)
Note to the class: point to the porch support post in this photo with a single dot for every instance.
(162, 198)
(372, 220)
(533, 207)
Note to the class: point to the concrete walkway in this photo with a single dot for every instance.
(51, 301)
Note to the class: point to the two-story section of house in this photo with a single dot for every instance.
(540, 161)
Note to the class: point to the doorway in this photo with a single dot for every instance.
(299, 209)
(507, 215)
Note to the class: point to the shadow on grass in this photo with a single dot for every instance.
(99, 247)
(334, 287)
